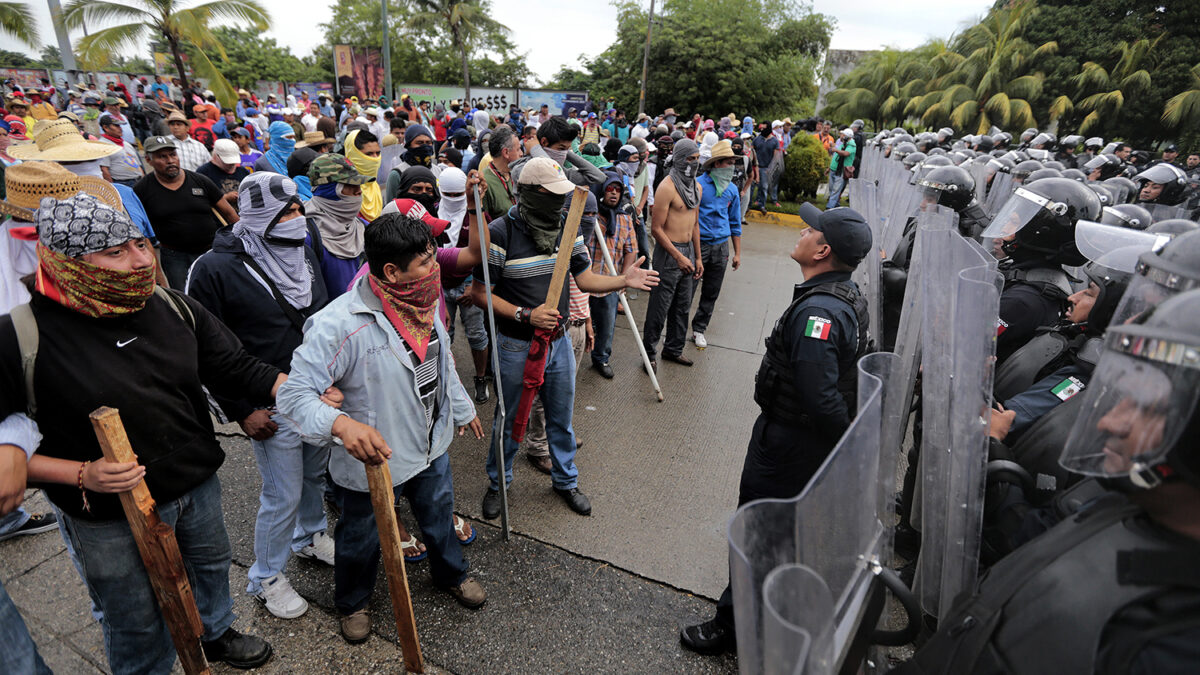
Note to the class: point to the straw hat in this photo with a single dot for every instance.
(720, 150)
(60, 141)
(27, 183)
(313, 139)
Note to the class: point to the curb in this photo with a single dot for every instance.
(772, 218)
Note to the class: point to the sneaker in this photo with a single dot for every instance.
(469, 594)
(41, 522)
(356, 627)
(481, 390)
(710, 638)
(698, 338)
(280, 598)
(320, 549)
(237, 650)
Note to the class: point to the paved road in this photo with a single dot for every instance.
(567, 594)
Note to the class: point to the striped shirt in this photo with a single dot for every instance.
(427, 378)
(580, 308)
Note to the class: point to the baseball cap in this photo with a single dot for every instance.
(155, 143)
(414, 209)
(547, 173)
(845, 230)
(240, 131)
(1171, 148)
(334, 168)
(251, 112)
(111, 100)
(227, 151)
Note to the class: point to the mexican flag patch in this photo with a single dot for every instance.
(818, 327)
(1067, 388)
(1001, 326)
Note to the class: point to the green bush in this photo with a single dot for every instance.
(804, 168)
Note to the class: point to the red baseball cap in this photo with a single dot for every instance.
(415, 209)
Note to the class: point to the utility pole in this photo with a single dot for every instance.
(646, 60)
(387, 53)
(64, 40)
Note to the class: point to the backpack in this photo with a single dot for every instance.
(25, 324)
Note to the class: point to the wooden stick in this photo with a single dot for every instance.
(379, 479)
(562, 264)
(158, 547)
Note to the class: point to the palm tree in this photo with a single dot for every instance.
(176, 25)
(465, 20)
(1107, 90)
(17, 21)
(1183, 109)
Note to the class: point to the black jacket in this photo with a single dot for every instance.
(150, 366)
(221, 281)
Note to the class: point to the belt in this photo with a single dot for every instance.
(575, 323)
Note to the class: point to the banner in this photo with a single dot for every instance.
(314, 89)
(557, 101)
(23, 77)
(343, 69)
(359, 71)
(264, 87)
(494, 101)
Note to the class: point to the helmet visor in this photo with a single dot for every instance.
(1150, 286)
(1115, 247)
(1162, 174)
(1017, 212)
(1136, 405)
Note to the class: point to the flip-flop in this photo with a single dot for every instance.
(411, 544)
(459, 529)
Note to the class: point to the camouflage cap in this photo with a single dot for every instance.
(334, 168)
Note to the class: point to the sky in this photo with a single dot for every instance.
(591, 24)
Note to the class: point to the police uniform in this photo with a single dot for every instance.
(1034, 296)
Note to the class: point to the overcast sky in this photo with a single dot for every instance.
(555, 38)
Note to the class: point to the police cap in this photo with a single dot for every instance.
(845, 230)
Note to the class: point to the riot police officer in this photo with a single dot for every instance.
(1113, 588)
(1161, 184)
(806, 385)
(1036, 231)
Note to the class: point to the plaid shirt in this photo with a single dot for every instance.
(192, 153)
(619, 239)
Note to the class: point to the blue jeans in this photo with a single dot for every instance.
(356, 536)
(136, 639)
(558, 400)
(761, 187)
(715, 258)
(13, 520)
(175, 266)
(291, 506)
(604, 319)
(472, 318)
(836, 185)
(18, 653)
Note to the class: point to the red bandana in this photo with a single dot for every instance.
(89, 289)
(410, 306)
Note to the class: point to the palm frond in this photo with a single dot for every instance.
(1092, 119)
(17, 21)
(1025, 86)
(97, 49)
(238, 11)
(1135, 83)
(78, 12)
(998, 107)
(1061, 107)
(216, 81)
(964, 115)
(1020, 113)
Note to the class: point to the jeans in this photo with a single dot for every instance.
(715, 258)
(670, 302)
(472, 318)
(536, 444)
(604, 319)
(643, 242)
(558, 400)
(836, 185)
(761, 187)
(291, 506)
(175, 266)
(776, 175)
(18, 653)
(356, 536)
(136, 639)
(13, 520)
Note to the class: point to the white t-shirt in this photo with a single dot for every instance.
(309, 122)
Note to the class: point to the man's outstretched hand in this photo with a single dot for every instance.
(640, 279)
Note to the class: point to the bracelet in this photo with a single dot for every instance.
(83, 492)
(522, 315)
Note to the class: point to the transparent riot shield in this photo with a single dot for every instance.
(801, 568)
(866, 274)
(1161, 212)
(389, 158)
(1001, 189)
(951, 390)
(979, 173)
(856, 200)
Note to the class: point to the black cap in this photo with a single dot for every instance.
(1171, 148)
(156, 143)
(845, 230)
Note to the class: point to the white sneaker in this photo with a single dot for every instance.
(698, 338)
(321, 549)
(281, 599)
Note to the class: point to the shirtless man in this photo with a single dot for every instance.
(673, 224)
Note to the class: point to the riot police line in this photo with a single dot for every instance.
(993, 281)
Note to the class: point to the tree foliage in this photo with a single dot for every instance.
(251, 57)
(16, 21)
(804, 168)
(759, 54)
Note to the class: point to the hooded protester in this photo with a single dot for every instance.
(709, 139)
(264, 283)
(333, 209)
(665, 146)
(452, 186)
(418, 151)
(481, 122)
(612, 147)
(420, 185)
(683, 171)
(283, 142)
(362, 149)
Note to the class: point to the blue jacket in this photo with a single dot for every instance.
(720, 215)
(352, 344)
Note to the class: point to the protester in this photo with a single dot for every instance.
(362, 149)
(615, 223)
(225, 169)
(720, 224)
(840, 159)
(418, 151)
(334, 211)
(283, 142)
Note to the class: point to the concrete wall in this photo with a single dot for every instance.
(838, 62)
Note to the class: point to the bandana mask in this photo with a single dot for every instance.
(410, 307)
(89, 289)
(422, 156)
(559, 156)
(721, 177)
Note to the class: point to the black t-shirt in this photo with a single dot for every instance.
(225, 182)
(183, 219)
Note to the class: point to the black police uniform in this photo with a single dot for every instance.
(1035, 295)
(806, 388)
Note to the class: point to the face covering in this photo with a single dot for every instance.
(683, 172)
(430, 202)
(333, 212)
(539, 210)
(281, 148)
(277, 247)
(630, 168)
(410, 307)
(559, 156)
(670, 119)
(721, 177)
(422, 156)
(89, 289)
(372, 196)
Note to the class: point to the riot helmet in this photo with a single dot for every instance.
(1054, 164)
(1139, 421)
(1022, 170)
(1110, 284)
(959, 156)
(1071, 141)
(1038, 220)
(1159, 274)
(1173, 227)
(1106, 194)
(1129, 216)
(1000, 165)
(925, 141)
(1123, 189)
(949, 186)
(1028, 134)
(1119, 248)
(1103, 166)
(1171, 179)
(1043, 140)
(985, 143)
(1093, 144)
(1039, 155)
(936, 151)
(1110, 148)
(904, 137)
(1042, 173)
(912, 159)
(903, 149)
(944, 134)
(1075, 174)
(1002, 139)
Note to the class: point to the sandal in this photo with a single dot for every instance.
(411, 544)
(460, 528)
